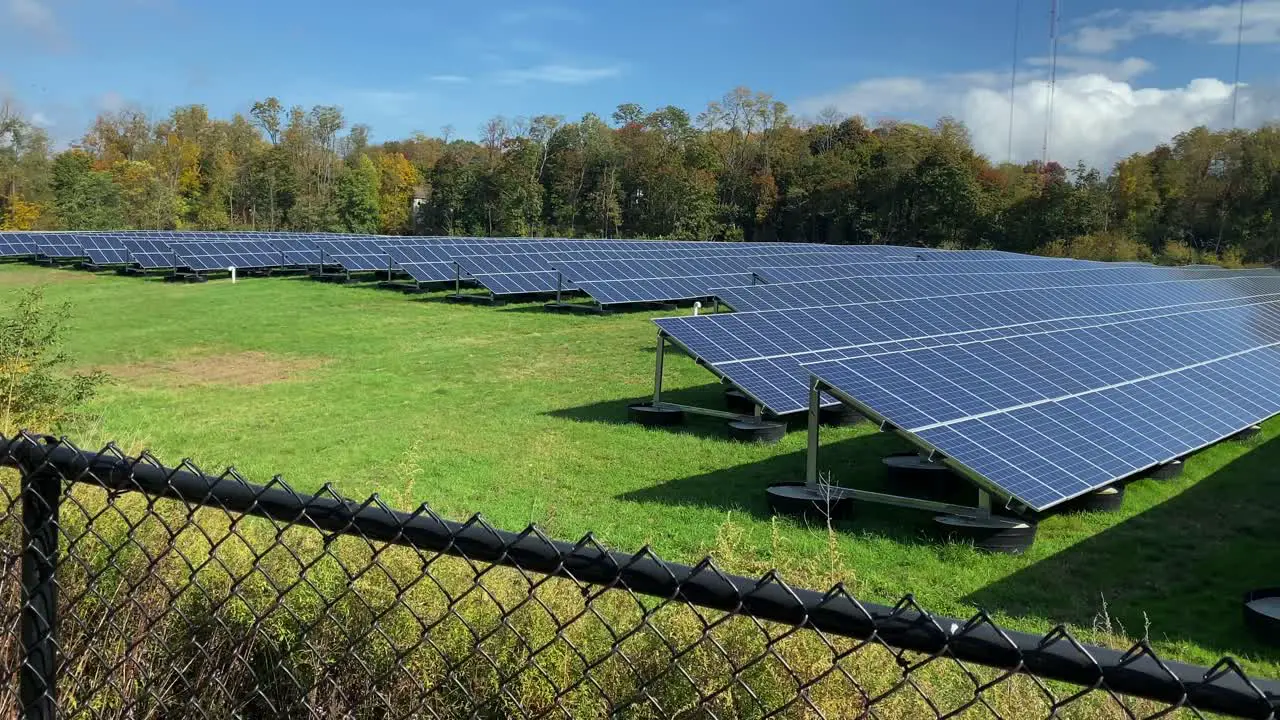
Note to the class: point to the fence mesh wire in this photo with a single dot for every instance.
(185, 595)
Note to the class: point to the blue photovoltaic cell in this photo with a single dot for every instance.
(630, 280)
(59, 246)
(17, 244)
(302, 250)
(151, 254)
(512, 274)
(1047, 417)
(764, 353)
(834, 271)
(530, 267)
(103, 249)
(547, 269)
(421, 262)
(683, 278)
(220, 255)
(851, 291)
(354, 255)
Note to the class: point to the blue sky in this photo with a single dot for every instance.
(1129, 67)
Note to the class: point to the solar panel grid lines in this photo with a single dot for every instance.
(1051, 416)
(860, 290)
(624, 269)
(104, 249)
(354, 255)
(543, 271)
(764, 353)
(512, 274)
(797, 271)
(151, 254)
(221, 255)
(300, 251)
(58, 246)
(18, 245)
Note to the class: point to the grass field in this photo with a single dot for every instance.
(520, 415)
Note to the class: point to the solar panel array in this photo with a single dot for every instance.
(939, 265)
(855, 290)
(765, 353)
(1049, 416)
(1042, 379)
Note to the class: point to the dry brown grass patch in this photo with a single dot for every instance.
(29, 277)
(240, 369)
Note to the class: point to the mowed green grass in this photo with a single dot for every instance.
(519, 414)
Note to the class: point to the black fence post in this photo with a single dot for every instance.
(41, 493)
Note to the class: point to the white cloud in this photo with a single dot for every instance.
(39, 119)
(1126, 69)
(1096, 119)
(1218, 24)
(559, 74)
(450, 79)
(34, 16)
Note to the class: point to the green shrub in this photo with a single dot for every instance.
(33, 394)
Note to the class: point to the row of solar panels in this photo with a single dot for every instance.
(610, 271)
(1041, 385)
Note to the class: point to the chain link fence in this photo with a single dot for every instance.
(134, 590)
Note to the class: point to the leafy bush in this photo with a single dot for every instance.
(1108, 246)
(1178, 253)
(33, 394)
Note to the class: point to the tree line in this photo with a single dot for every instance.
(744, 168)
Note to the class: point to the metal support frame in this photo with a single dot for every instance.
(41, 496)
(818, 491)
(657, 371)
(659, 359)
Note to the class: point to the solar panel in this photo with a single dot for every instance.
(513, 274)
(422, 262)
(220, 255)
(528, 267)
(103, 249)
(300, 250)
(151, 254)
(1048, 417)
(18, 244)
(764, 353)
(58, 246)
(655, 280)
(354, 255)
(834, 271)
(848, 291)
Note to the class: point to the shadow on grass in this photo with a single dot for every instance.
(856, 463)
(614, 412)
(1183, 564)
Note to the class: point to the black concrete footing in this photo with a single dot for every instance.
(648, 415)
(753, 431)
(996, 534)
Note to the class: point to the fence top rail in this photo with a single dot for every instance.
(1056, 655)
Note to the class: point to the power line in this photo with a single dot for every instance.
(1013, 75)
(1235, 90)
(1055, 12)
